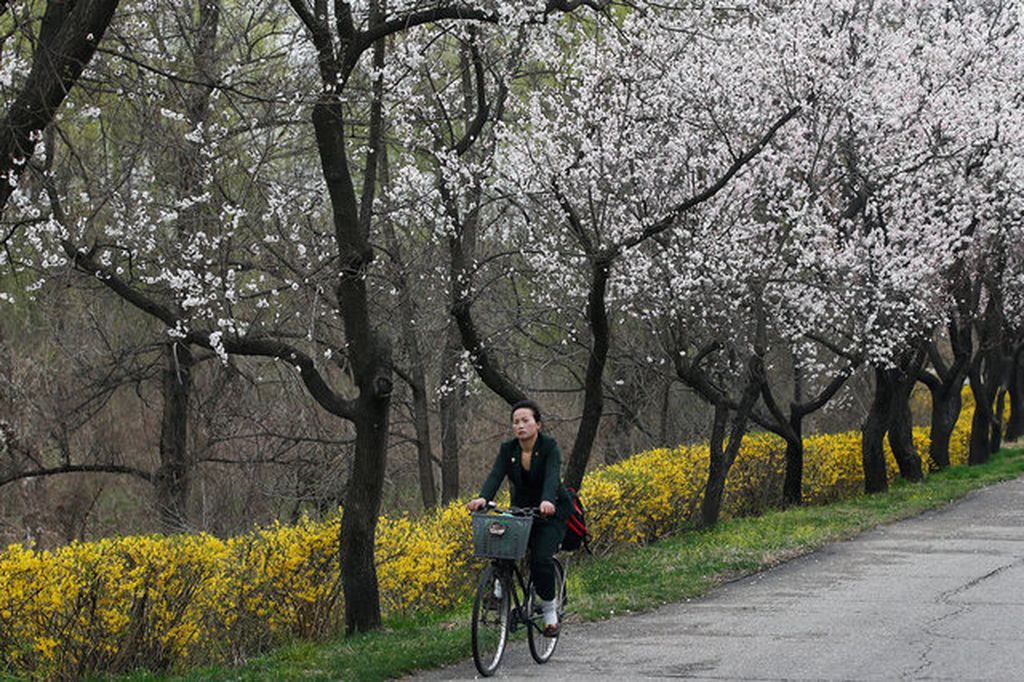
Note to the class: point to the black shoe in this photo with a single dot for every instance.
(551, 630)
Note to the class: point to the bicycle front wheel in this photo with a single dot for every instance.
(490, 620)
(542, 647)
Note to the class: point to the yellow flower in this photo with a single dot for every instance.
(196, 598)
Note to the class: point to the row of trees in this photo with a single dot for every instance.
(393, 201)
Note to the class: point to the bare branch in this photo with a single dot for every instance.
(77, 468)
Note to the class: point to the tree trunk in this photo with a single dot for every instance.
(996, 435)
(666, 401)
(987, 371)
(417, 371)
(792, 486)
(359, 518)
(424, 457)
(873, 434)
(723, 453)
(981, 424)
(946, 406)
(790, 427)
(901, 437)
(369, 351)
(593, 396)
(174, 473)
(1015, 423)
(450, 417)
(714, 489)
(946, 384)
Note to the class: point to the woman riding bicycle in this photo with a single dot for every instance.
(532, 463)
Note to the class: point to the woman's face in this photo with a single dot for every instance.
(524, 426)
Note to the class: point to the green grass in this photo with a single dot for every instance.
(672, 569)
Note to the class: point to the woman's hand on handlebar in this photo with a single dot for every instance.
(546, 508)
(476, 504)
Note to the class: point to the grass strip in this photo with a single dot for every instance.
(683, 566)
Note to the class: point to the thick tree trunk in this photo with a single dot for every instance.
(981, 424)
(718, 471)
(873, 434)
(890, 414)
(792, 486)
(359, 518)
(901, 437)
(714, 491)
(947, 382)
(593, 395)
(369, 353)
(372, 371)
(946, 406)
(450, 416)
(987, 371)
(1015, 423)
(174, 473)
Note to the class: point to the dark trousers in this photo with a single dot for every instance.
(545, 537)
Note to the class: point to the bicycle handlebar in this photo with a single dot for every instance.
(514, 511)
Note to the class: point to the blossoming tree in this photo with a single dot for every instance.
(610, 155)
(210, 302)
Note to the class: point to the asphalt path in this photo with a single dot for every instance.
(936, 597)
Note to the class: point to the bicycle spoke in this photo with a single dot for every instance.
(490, 622)
(541, 647)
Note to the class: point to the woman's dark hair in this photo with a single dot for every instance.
(534, 407)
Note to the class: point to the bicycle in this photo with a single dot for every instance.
(504, 599)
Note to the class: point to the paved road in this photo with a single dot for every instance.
(937, 597)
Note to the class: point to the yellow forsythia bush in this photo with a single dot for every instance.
(153, 601)
(166, 602)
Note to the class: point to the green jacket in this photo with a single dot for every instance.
(529, 488)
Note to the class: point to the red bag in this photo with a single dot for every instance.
(576, 533)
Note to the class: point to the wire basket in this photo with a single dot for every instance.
(501, 536)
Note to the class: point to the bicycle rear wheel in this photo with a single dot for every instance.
(542, 647)
(490, 621)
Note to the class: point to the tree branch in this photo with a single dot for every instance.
(476, 126)
(251, 346)
(670, 219)
(67, 41)
(77, 468)
(456, 12)
(374, 146)
(806, 408)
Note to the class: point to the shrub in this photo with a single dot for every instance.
(166, 602)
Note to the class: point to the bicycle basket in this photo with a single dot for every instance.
(501, 536)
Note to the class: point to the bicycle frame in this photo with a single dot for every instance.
(518, 615)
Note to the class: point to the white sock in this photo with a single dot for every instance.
(497, 589)
(547, 607)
